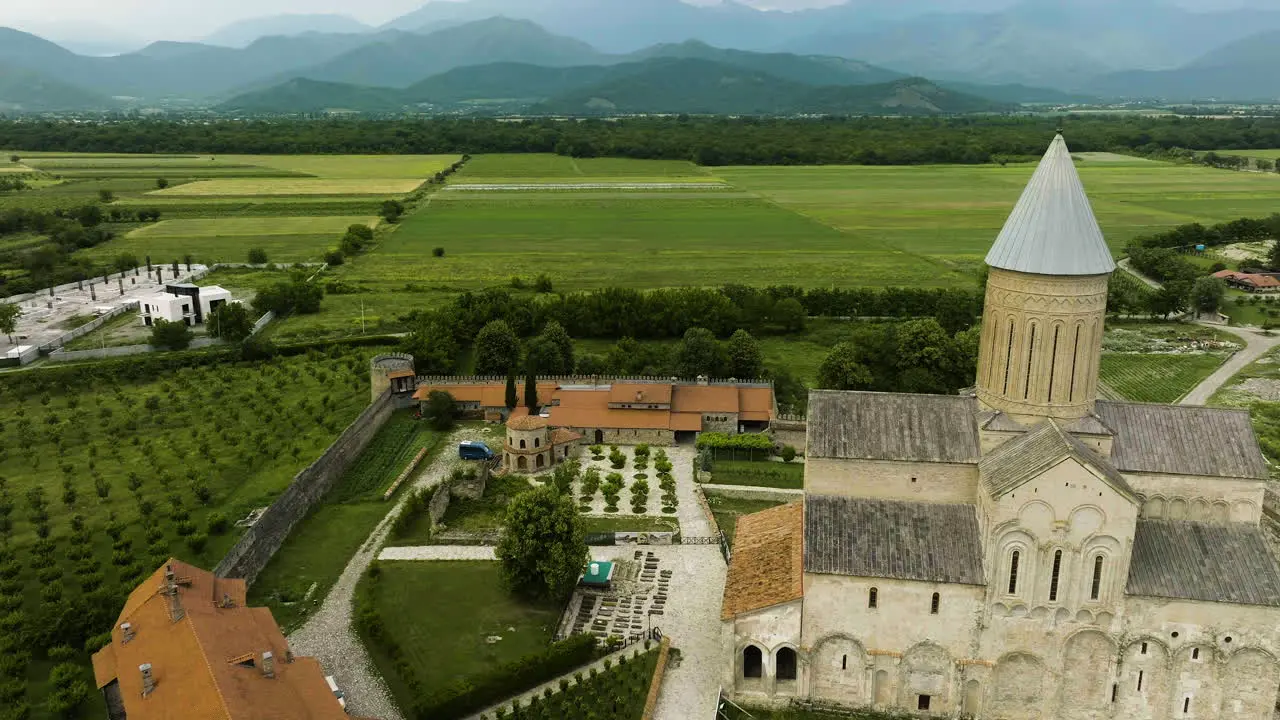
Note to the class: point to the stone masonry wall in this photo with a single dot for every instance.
(259, 543)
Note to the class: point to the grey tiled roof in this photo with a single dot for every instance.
(1052, 230)
(892, 539)
(1182, 440)
(1228, 563)
(893, 426)
(999, 422)
(1025, 458)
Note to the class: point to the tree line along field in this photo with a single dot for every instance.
(106, 472)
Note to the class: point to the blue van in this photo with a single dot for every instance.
(474, 450)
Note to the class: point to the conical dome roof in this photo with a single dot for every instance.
(1052, 230)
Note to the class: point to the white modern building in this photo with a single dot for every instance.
(182, 302)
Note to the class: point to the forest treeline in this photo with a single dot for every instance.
(705, 140)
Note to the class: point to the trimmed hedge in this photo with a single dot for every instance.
(745, 441)
(471, 694)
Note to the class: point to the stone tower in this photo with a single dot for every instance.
(1046, 300)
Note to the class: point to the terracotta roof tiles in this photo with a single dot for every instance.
(767, 566)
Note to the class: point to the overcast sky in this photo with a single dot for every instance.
(190, 19)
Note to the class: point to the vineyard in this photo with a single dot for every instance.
(108, 470)
(617, 692)
(1157, 378)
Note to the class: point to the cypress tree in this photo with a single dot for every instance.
(531, 391)
(512, 398)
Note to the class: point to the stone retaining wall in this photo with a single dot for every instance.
(655, 687)
(750, 492)
(261, 541)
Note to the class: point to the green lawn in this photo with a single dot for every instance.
(561, 168)
(627, 524)
(320, 546)
(1271, 154)
(789, 476)
(1250, 309)
(727, 510)
(442, 614)
(210, 240)
(124, 329)
(618, 693)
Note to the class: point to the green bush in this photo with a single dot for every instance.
(788, 453)
(617, 459)
(745, 441)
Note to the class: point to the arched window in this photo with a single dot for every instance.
(1075, 359)
(844, 662)
(1008, 360)
(933, 604)
(1031, 359)
(1096, 588)
(873, 597)
(522, 445)
(1053, 579)
(1053, 360)
(537, 442)
(752, 662)
(785, 661)
(1013, 572)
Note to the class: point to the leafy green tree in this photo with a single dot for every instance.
(230, 321)
(542, 552)
(555, 334)
(926, 357)
(531, 391)
(433, 348)
(512, 398)
(497, 349)
(842, 369)
(1207, 294)
(364, 232)
(171, 335)
(440, 411)
(69, 690)
(392, 210)
(699, 353)
(106, 196)
(9, 314)
(789, 315)
(257, 256)
(1169, 300)
(745, 361)
(162, 183)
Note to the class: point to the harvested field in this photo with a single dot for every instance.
(290, 186)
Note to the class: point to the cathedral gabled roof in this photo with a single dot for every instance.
(893, 426)
(1052, 230)
(1021, 460)
(1228, 563)
(1183, 440)
(931, 542)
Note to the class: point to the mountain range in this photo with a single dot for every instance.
(1008, 51)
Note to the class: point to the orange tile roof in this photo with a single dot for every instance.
(192, 659)
(651, 393)
(686, 421)
(755, 403)
(488, 394)
(561, 436)
(527, 422)
(705, 398)
(767, 566)
(584, 417)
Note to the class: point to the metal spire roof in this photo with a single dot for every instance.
(1052, 230)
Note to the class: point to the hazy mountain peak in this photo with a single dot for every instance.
(242, 33)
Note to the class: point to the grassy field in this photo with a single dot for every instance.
(467, 604)
(235, 187)
(209, 240)
(760, 474)
(149, 470)
(1271, 154)
(298, 578)
(559, 168)
(1257, 388)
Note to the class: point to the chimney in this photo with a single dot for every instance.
(148, 681)
(126, 631)
(170, 590)
(268, 665)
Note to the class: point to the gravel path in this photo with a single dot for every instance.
(1255, 347)
(327, 635)
(439, 552)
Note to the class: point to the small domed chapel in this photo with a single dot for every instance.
(1024, 550)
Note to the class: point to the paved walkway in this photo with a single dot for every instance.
(439, 552)
(1256, 345)
(1124, 265)
(328, 636)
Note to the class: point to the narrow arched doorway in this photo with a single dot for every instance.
(522, 462)
(599, 437)
(540, 461)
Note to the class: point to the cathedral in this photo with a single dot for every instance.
(1024, 550)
